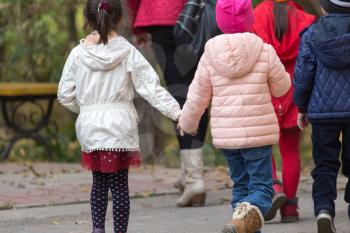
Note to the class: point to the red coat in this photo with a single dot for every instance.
(147, 13)
(287, 50)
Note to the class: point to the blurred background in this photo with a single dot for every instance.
(35, 39)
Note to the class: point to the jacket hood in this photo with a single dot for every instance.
(100, 57)
(264, 26)
(330, 40)
(233, 55)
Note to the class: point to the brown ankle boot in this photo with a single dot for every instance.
(246, 218)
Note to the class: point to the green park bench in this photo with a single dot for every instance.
(26, 109)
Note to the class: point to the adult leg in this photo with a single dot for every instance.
(326, 151)
(118, 183)
(346, 161)
(99, 200)
(238, 175)
(178, 79)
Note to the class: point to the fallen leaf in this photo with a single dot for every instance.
(146, 194)
(85, 189)
(21, 186)
(6, 206)
(80, 222)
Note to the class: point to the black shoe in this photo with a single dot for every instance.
(278, 200)
(325, 222)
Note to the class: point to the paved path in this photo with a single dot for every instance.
(60, 193)
(43, 184)
(157, 215)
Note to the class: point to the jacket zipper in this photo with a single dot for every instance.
(280, 110)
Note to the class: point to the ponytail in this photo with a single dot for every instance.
(280, 13)
(103, 26)
(103, 16)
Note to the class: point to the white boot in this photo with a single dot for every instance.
(180, 183)
(194, 193)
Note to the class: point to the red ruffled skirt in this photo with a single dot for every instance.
(110, 161)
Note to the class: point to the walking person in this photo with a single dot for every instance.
(322, 93)
(238, 73)
(158, 18)
(98, 83)
(279, 23)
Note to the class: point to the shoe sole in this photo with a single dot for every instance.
(324, 224)
(197, 200)
(279, 201)
(229, 229)
(289, 219)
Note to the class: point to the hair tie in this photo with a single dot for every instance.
(281, 1)
(103, 6)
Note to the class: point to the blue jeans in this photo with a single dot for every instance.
(251, 173)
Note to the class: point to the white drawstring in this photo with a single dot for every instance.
(241, 210)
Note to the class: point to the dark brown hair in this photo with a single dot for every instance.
(103, 16)
(280, 13)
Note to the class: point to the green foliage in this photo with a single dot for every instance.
(255, 2)
(35, 36)
(64, 144)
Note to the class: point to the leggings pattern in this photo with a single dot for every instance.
(118, 184)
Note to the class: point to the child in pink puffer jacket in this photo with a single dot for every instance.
(238, 73)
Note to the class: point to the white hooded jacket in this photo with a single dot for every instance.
(98, 83)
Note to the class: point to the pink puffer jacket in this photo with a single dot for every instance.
(239, 72)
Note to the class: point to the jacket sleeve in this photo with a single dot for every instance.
(304, 74)
(278, 78)
(147, 84)
(66, 87)
(198, 99)
(133, 7)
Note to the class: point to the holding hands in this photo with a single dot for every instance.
(182, 133)
(181, 130)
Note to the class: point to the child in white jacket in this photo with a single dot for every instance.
(98, 83)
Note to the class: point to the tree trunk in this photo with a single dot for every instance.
(73, 34)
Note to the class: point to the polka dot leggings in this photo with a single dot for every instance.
(118, 184)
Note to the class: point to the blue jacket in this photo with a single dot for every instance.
(322, 72)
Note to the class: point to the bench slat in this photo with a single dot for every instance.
(27, 89)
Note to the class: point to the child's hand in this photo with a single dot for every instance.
(302, 121)
(182, 133)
